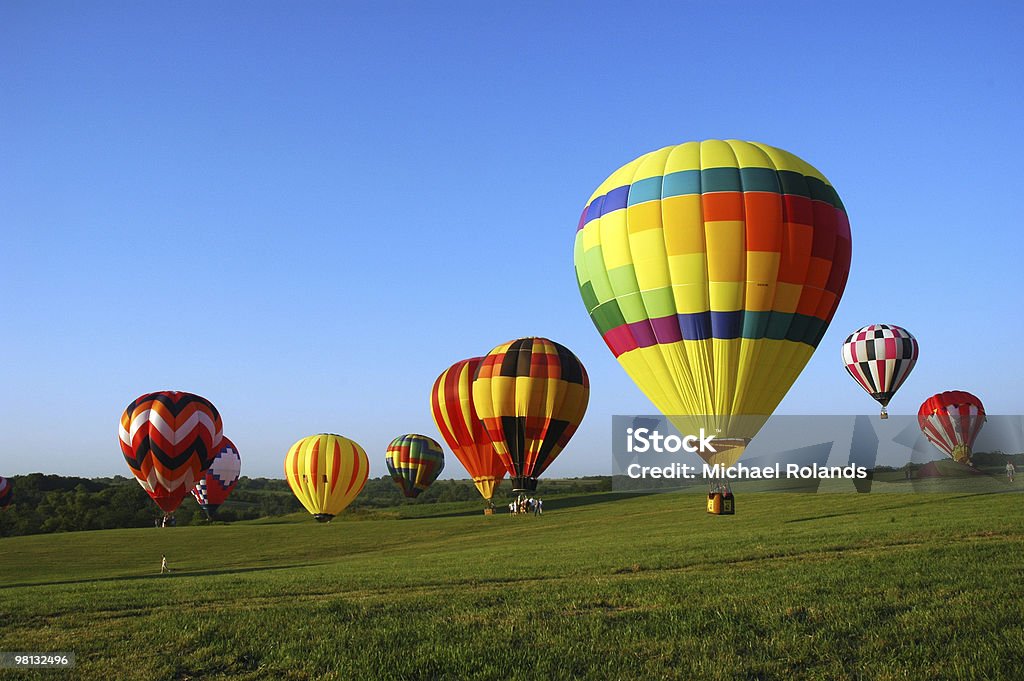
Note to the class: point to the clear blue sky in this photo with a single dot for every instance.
(306, 211)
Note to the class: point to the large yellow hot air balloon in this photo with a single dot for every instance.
(326, 472)
(712, 270)
(531, 395)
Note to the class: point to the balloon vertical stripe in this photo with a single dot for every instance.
(451, 405)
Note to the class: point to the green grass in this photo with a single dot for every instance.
(825, 586)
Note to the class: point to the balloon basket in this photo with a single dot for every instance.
(488, 511)
(721, 503)
(323, 517)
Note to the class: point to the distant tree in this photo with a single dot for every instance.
(53, 503)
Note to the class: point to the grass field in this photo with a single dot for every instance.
(824, 586)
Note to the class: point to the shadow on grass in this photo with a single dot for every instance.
(821, 517)
(173, 574)
(919, 499)
(559, 503)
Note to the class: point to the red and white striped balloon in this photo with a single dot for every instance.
(951, 421)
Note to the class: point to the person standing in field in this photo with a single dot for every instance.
(1010, 470)
(540, 507)
(163, 564)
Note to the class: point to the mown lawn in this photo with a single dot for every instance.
(823, 586)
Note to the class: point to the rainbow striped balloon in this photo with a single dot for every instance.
(712, 270)
(414, 462)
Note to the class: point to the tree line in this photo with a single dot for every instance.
(54, 503)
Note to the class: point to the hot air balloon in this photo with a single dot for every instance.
(451, 403)
(326, 472)
(220, 478)
(6, 493)
(880, 357)
(169, 439)
(531, 395)
(712, 270)
(951, 421)
(414, 462)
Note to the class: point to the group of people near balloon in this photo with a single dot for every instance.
(523, 505)
(711, 269)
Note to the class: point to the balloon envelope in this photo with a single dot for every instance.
(712, 270)
(951, 421)
(451, 404)
(880, 357)
(219, 479)
(6, 494)
(414, 462)
(326, 473)
(531, 395)
(169, 438)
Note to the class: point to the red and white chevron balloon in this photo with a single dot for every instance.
(169, 439)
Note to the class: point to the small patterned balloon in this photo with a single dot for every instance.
(414, 462)
(951, 421)
(6, 494)
(220, 478)
(880, 357)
